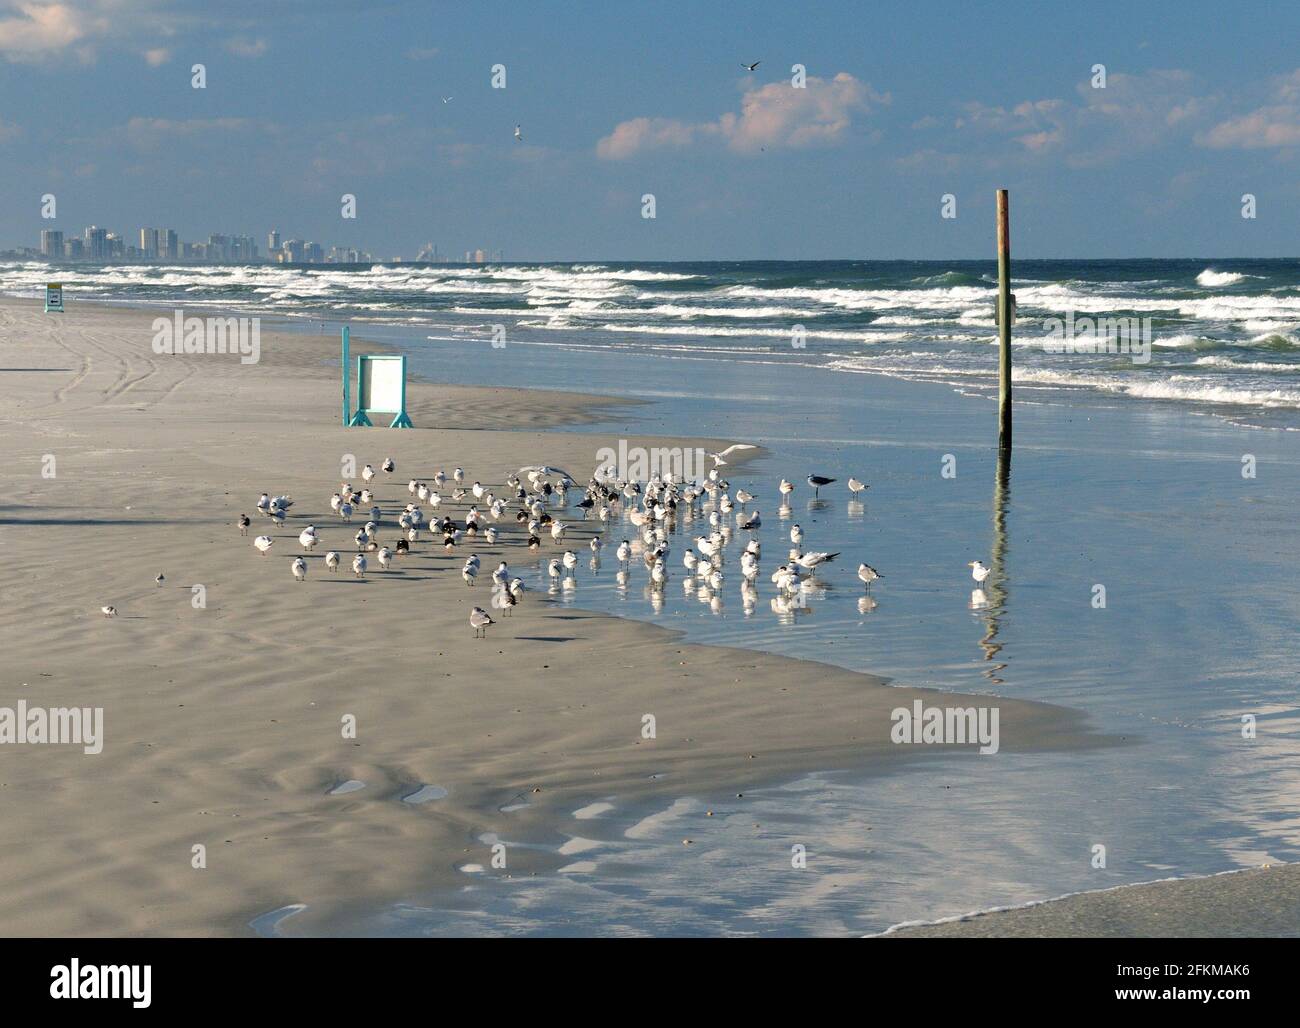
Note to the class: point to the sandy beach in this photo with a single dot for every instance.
(222, 724)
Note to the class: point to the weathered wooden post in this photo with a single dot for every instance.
(1005, 313)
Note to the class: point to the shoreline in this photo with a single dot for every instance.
(1246, 902)
(258, 651)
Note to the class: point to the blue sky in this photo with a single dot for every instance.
(904, 102)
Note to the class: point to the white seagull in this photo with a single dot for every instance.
(263, 543)
(332, 560)
(299, 569)
(720, 459)
(479, 620)
(978, 572)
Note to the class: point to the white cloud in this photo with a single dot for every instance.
(157, 56)
(32, 31)
(241, 46)
(774, 115)
(1276, 124)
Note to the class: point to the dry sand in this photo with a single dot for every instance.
(223, 724)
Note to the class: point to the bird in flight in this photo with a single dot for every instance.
(519, 134)
(720, 459)
(751, 67)
(448, 99)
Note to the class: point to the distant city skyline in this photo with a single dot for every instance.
(874, 133)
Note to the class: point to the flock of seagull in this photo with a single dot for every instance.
(528, 497)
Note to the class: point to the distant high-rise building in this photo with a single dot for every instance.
(52, 243)
(313, 253)
(148, 242)
(479, 257)
(273, 242)
(96, 243)
(168, 244)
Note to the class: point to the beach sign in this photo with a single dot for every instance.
(54, 298)
(381, 388)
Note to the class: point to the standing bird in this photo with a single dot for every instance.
(796, 534)
(978, 572)
(469, 572)
(786, 488)
(263, 543)
(108, 612)
(244, 522)
(359, 565)
(160, 579)
(308, 538)
(367, 473)
(856, 487)
(388, 466)
(479, 620)
(299, 569)
(332, 560)
(867, 574)
(817, 481)
(385, 556)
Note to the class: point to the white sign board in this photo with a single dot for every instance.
(53, 297)
(379, 384)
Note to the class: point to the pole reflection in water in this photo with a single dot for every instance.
(992, 599)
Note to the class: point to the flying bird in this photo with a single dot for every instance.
(720, 459)
(519, 138)
(751, 67)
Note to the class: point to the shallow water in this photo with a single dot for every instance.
(1196, 632)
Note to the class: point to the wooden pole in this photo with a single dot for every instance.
(1004, 323)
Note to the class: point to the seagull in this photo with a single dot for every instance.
(743, 497)
(385, 556)
(108, 612)
(867, 574)
(479, 620)
(308, 538)
(720, 459)
(796, 534)
(263, 543)
(519, 134)
(244, 522)
(448, 99)
(856, 487)
(812, 560)
(160, 579)
(624, 552)
(749, 523)
(359, 565)
(388, 465)
(332, 560)
(299, 569)
(817, 481)
(367, 473)
(978, 572)
(751, 67)
(786, 488)
(503, 599)
(469, 572)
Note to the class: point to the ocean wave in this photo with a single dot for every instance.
(1212, 279)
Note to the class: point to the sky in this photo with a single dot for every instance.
(900, 105)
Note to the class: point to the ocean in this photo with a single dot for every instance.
(1126, 474)
(1222, 333)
